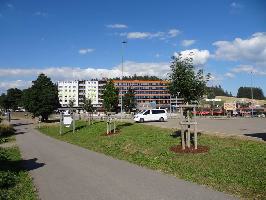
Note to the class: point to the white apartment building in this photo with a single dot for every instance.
(76, 90)
(67, 91)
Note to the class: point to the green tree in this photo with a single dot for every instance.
(185, 82)
(245, 92)
(110, 97)
(13, 98)
(4, 104)
(129, 100)
(217, 91)
(87, 105)
(42, 98)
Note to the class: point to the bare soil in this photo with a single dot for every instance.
(200, 149)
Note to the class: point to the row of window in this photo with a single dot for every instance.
(139, 84)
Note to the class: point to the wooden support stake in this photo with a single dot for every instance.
(73, 115)
(61, 119)
(188, 130)
(182, 137)
(195, 136)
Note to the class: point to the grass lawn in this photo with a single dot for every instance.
(232, 165)
(15, 183)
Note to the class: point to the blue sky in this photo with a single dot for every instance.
(82, 39)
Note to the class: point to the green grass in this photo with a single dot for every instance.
(15, 183)
(233, 166)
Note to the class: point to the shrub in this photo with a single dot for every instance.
(6, 130)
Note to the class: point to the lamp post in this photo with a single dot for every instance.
(121, 103)
(251, 88)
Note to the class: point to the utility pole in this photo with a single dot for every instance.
(122, 84)
(251, 88)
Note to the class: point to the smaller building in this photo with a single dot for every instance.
(152, 92)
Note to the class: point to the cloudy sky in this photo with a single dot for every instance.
(80, 39)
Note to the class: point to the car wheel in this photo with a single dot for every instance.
(161, 119)
(141, 120)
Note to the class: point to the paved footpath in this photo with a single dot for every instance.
(64, 171)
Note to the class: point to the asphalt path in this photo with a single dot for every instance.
(248, 127)
(64, 171)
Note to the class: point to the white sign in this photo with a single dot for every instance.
(67, 120)
(213, 100)
(230, 106)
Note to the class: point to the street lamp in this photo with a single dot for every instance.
(251, 88)
(123, 43)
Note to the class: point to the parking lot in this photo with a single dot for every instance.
(251, 127)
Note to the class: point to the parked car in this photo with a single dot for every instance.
(151, 115)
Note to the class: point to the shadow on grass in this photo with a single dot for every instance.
(257, 135)
(120, 126)
(10, 169)
(76, 129)
(52, 121)
(21, 124)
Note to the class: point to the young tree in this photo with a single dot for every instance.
(129, 100)
(110, 97)
(42, 98)
(87, 106)
(185, 82)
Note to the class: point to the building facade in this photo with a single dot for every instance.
(146, 92)
(76, 91)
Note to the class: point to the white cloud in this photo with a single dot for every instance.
(249, 69)
(9, 5)
(138, 35)
(85, 51)
(149, 35)
(200, 57)
(117, 26)
(252, 49)
(40, 13)
(157, 55)
(229, 75)
(243, 68)
(72, 73)
(186, 43)
(173, 32)
(236, 5)
(21, 84)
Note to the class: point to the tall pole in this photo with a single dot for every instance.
(121, 103)
(251, 88)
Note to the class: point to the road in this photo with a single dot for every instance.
(250, 127)
(64, 171)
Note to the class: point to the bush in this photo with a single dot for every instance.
(6, 130)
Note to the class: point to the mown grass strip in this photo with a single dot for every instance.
(15, 183)
(232, 165)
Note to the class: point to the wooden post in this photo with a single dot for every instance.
(195, 130)
(114, 127)
(107, 127)
(195, 136)
(73, 115)
(188, 130)
(61, 121)
(182, 137)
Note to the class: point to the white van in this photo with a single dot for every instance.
(151, 115)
